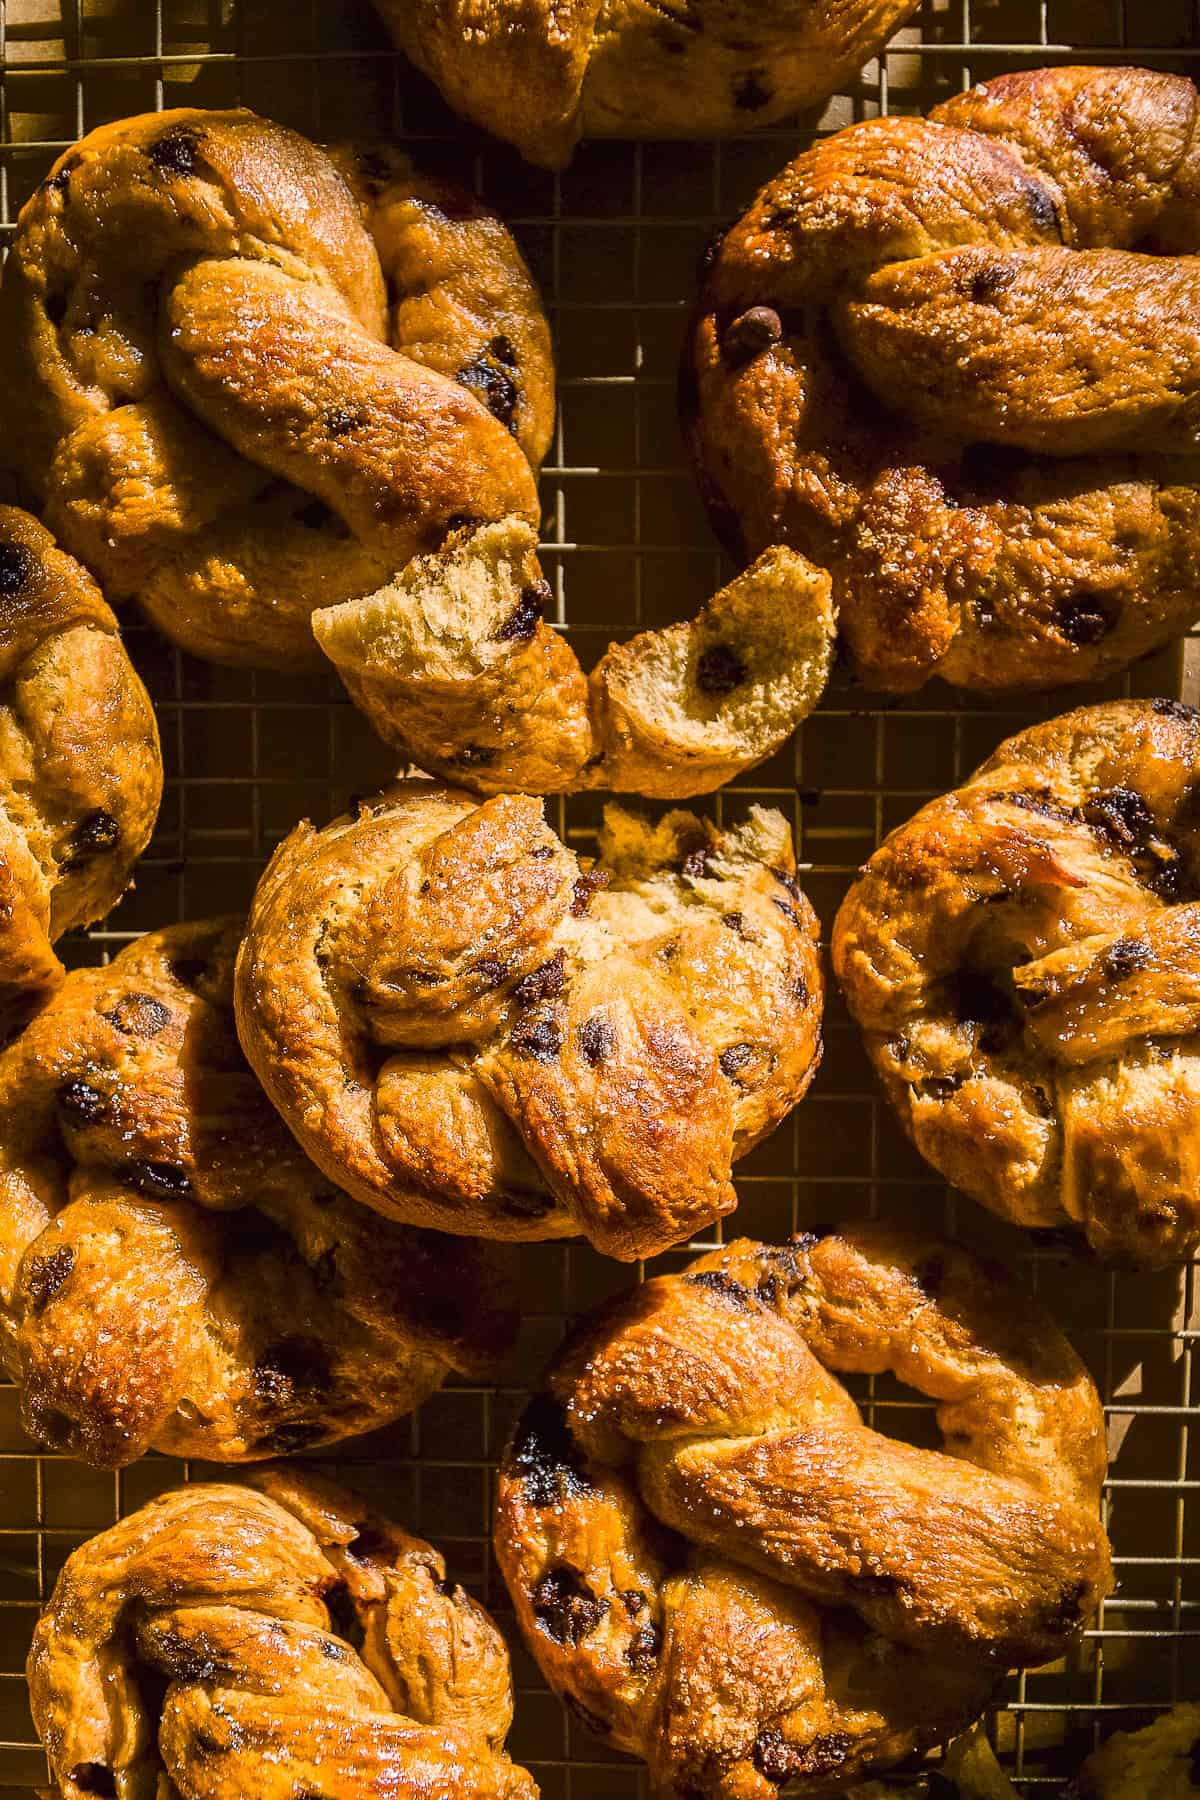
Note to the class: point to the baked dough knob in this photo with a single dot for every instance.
(454, 665)
(273, 1639)
(254, 380)
(544, 73)
(80, 766)
(468, 1027)
(727, 1573)
(174, 1273)
(956, 361)
(1024, 960)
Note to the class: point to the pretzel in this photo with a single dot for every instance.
(174, 1274)
(274, 1640)
(252, 379)
(468, 1028)
(80, 766)
(728, 1574)
(544, 73)
(956, 362)
(1024, 960)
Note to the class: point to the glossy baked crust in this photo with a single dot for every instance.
(467, 1027)
(956, 362)
(253, 379)
(80, 767)
(730, 1575)
(1024, 960)
(269, 1640)
(544, 73)
(174, 1273)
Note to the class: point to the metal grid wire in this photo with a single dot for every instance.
(614, 242)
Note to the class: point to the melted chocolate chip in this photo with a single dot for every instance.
(490, 972)
(1176, 709)
(986, 283)
(1121, 815)
(494, 386)
(157, 1180)
(789, 912)
(545, 983)
(95, 835)
(733, 921)
(175, 152)
(93, 1778)
(735, 1059)
(545, 1455)
(293, 1368)
(339, 1604)
(695, 865)
(16, 568)
(586, 886)
(1042, 209)
(462, 522)
(1085, 618)
(724, 1287)
(719, 670)
(752, 332)
(477, 756)
(46, 1276)
(800, 992)
(752, 91)
(565, 1607)
(503, 350)
(523, 621)
(643, 1651)
(1123, 957)
(597, 1039)
(181, 1660)
(779, 1761)
(139, 1015)
(83, 1104)
(339, 420)
(787, 882)
(60, 181)
(539, 1038)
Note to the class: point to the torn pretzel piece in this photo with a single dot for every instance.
(454, 665)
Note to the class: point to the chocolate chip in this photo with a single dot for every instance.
(789, 912)
(477, 756)
(586, 886)
(60, 181)
(339, 420)
(181, 1660)
(751, 91)
(16, 567)
(695, 865)
(93, 1778)
(1176, 709)
(175, 152)
(95, 835)
(565, 1607)
(733, 921)
(157, 1180)
(597, 1039)
(545, 983)
(736, 1058)
(139, 1015)
(724, 1287)
(539, 1038)
(83, 1103)
(503, 351)
(545, 1455)
(787, 882)
(462, 522)
(1120, 815)
(494, 386)
(290, 1370)
(774, 1758)
(46, 1276)
(523, 621)
(800, 992)
(719, 670)
(490, 971)
(1123, 957)
(752, 332)
(1085, 618)
(1042, 209)
(643, 1651)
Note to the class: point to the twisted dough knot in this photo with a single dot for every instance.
(253, 380)
(729, 1574)
(544, 73)
(466, 1027)
(270, 1640)
(173, 1272)
(957, 362)
(1024, 959)
(80, 767)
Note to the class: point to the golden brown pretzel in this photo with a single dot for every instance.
(253, 380)
(1024, 959)
(956, 361)
(544, 73)
(466, 1027)
(80, 766)
(730, 1575)
(173, 1272)
(271, 1640)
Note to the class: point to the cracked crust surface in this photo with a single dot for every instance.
(1023, 957)
(174, 1273)
(468, 1027)
(727, 1573)
(271, 1639)
(956, 362)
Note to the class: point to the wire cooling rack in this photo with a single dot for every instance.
(614, 243)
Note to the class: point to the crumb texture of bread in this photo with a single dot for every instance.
(714, 1557)
(269, 1639)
